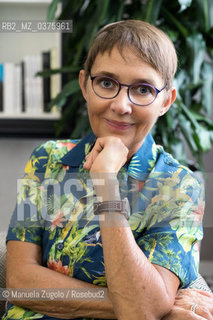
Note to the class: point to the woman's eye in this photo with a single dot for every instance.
(106, 83)
(143, 90)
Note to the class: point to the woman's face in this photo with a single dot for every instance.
(118, 116)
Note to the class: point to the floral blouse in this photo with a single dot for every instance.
(55, 210)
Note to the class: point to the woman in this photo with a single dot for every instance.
(112, 209)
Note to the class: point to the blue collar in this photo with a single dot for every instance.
(75, 156)
(139, 167)
(143, 160)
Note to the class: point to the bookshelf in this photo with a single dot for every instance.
(14, 49)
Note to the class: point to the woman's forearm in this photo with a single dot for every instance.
(32, 275)
(39, 277)
(136, 286)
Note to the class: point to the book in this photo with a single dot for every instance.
(18, 90)
(27, 84)
(9, 88)
(23, 108)
(22, 91)
(37, 84)
(10, 93)
(55, 78)
(33, 86)
(1, 86)
(46, 81)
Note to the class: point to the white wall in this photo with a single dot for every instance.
(13, 46)
(14, 154)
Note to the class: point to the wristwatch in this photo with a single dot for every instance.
(121, 206)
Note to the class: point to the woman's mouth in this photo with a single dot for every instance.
(119, 125)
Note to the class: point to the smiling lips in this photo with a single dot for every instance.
(119, 125)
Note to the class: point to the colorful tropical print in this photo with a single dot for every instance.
(166, 200)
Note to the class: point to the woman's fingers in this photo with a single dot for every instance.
(89, 160)
(109, 154)
(196, 303)
(178, 313)
(204, 293)
(203, 312)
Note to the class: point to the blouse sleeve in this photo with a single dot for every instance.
(173, 227)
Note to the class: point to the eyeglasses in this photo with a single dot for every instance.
(141, 94)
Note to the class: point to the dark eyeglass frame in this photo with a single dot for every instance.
(157, 91)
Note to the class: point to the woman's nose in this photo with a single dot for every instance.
(121, 103)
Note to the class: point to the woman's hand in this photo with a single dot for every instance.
(184, 301)
(104, 161)
(108, 155)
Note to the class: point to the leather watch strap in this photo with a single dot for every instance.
(121, 206)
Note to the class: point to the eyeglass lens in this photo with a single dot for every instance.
(108, 88)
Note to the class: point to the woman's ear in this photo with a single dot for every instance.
(82, 83)
(170, 99)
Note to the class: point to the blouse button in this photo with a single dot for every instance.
(60, 246)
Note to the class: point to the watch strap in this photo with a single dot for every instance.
(121, 206)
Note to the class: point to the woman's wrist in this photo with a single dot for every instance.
(106, 186)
